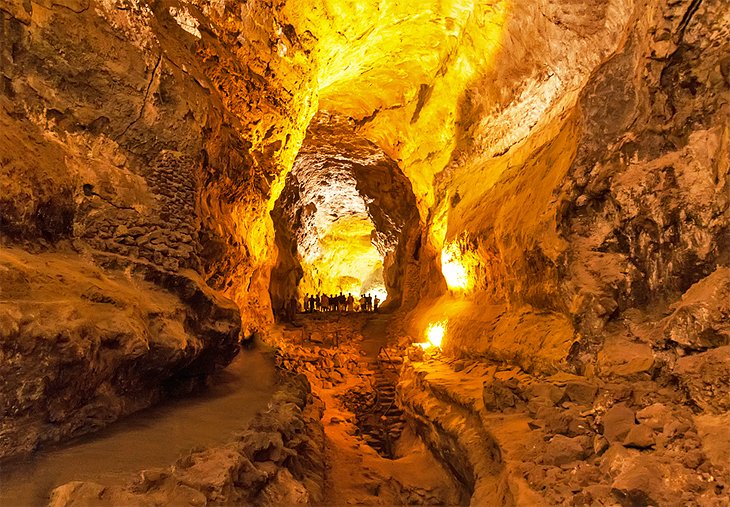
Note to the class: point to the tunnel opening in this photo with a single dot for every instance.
(346, 221)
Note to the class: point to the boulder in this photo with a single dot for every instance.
(715, 438)
(655, 416)
(640, 436)
(545, 392)
(498, 396)
(700, 318)
(621, 357)
(553, 419)
(562, 450)
(617, 423)
(637, 485)
(582, 393)
(706, 377)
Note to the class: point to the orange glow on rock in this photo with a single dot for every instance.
(457, 268)
(435, 333)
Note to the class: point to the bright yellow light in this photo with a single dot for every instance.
(435, 333)
(454, 269)
(406, 66)
(345, 260)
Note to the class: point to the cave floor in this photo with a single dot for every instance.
(153, 438)
(341, 354)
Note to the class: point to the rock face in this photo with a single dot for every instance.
(339, 180)
(136, 174)
(277, 460)
(81, 347)
(566, 162)
(632, 445)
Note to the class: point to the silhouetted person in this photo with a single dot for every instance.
(362, 303)
(318, 302)
(368, 303)
(334, 303)
(311, 303)
(350, 302)
(305, 304)
(325, 303)
(376, 302)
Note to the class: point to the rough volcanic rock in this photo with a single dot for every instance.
(347, 218)
(568, 160)
(562, 450)
(278, 460)
(701, 318)
(81, 347)
(706, 376)
(140, 138)
(557, 455)
(640, 436)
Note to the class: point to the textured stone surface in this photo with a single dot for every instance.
(347, 219)
(707, 378)
(570, 157)
(278, 460)
(140, 147)
(543, 454)
(81, 347)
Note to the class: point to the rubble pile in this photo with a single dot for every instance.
(569, 439)
(327, 353)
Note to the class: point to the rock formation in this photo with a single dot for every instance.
(548, 180)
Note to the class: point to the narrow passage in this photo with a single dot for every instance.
(343, 355)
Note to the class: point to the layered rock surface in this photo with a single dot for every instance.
(568, 161)
(346, 220)
(277, 460)
(517, 439)
(136, 174)
(82, 347)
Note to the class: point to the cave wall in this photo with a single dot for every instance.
(575, 152)
(142, 146)
(614, 198)
(334, 155)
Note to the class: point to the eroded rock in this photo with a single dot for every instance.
(239, 472)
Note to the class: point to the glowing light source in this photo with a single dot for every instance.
(435, 334)
(454, 268)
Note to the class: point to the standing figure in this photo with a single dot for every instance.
(368, 303)
(376, 302)
(350, 303)
(325, 303)
(305, 305)
(362, 303)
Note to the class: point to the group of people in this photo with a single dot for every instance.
(340, 303)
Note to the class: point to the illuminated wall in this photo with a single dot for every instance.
(350, 217)
(401, 67)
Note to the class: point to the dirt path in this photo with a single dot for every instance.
(357, 474)
(374, 334)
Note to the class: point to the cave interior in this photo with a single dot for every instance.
(536, 191)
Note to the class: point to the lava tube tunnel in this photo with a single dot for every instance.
(364, 252)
